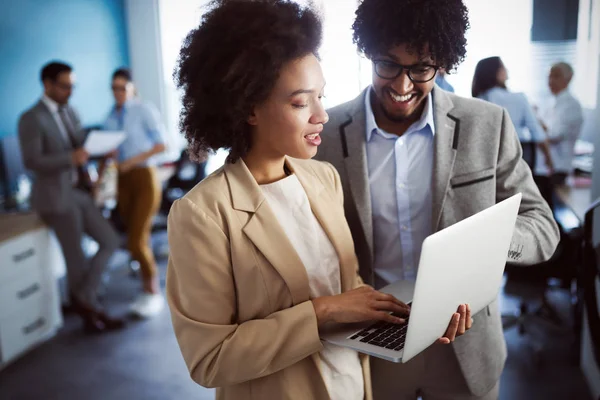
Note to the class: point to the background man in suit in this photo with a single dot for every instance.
(415, 159)
(51, 142)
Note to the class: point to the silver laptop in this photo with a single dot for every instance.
(463, 263)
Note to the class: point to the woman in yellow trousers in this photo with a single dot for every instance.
(139, 190)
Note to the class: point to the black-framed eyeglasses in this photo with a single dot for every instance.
(65, 86)
(418, 73)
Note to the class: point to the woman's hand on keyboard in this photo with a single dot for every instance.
(358, 305)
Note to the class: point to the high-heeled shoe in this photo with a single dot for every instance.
(95, 320)
(111, 323)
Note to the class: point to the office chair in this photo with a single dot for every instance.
(531, 283)
(588, 275)
(187, 174)
(561, 267)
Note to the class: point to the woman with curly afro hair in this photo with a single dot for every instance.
(261, 257)
(414, 159)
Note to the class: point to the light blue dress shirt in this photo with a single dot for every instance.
(142, 126)
(521, 114)
(400, 170)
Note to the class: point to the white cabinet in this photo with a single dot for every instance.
(29, 298)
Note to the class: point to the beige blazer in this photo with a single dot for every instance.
(238, 292)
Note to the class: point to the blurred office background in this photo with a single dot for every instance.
(44, 354)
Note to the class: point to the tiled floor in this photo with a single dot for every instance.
(143, 361)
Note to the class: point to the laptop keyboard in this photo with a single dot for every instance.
(384, 334)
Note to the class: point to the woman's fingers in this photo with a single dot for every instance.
(388, 297)
(387, 317)
(391, 307)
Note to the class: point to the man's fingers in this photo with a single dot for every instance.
(453, 327)
(462, 310)
(469, 320)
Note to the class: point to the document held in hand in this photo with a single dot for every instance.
(99, 143)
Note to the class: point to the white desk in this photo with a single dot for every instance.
(30, 262)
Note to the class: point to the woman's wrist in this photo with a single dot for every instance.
(322, 310)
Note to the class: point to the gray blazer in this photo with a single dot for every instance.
(47, 154)
(477, 163)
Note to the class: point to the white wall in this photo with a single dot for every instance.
(339, 59)
(528, 62)
(586, 78)
(176, 19)
(145, 55)
(488, 37)
(588, 364)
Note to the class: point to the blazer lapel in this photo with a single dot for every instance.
(264, 230)
(50, 122)
(332, 220)
(353, 137)
(447, 128)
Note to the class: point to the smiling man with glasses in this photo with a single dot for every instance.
(415, 159)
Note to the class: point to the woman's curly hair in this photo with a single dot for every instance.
(230, 64)
(439, 24)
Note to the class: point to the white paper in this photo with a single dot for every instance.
(99, 143)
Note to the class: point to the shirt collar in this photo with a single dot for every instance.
(563, 93)
(497, 89)
(371, 124)
(126, 105)
(51, 104)
(425, 120)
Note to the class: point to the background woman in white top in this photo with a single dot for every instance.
(489, 83)
(262, 258)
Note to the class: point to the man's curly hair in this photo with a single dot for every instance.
(439, 24)
(230, 64)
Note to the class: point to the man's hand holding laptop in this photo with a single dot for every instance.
(367, 304)
(460, 323)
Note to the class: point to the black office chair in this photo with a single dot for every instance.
(532, 283)
(588, 275)
(187, 174)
